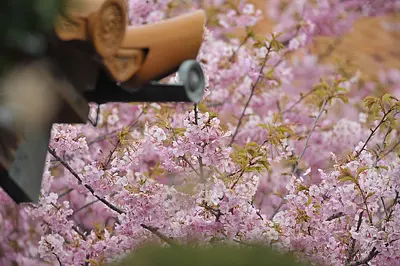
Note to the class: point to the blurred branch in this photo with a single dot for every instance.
(164, 238)
(253, 88)
(321, 111)
(296, 165)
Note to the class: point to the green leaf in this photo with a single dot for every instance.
(361, 169)
(250, 32)
(263, 126)
(309, 200)
(277, 35)
(343, 97)
(347, 178)
(266, 164)
(243, 163)
(370, 101)
(285, 129)
(370, 194)
(301, 187)
(254, 169)
(388, 99)
(179, 131)
(383, 167)
(258, 45)
(252, 144)
(252, 152)
(270, 74)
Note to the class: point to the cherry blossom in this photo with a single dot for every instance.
(284, 151)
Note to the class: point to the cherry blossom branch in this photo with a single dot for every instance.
(91, 190)
(277, 208)
(238, 178)
(109, 158)
(216, 212)
(378, 152)
(199, 158)
(251, 163)
(353, 242)
(365, 202)
(392, 148)
(74, 227)
(190, 165)
(55, 255)
(373, 131)
(58, 259)
(384, 207)
(241, 44)
(302, 97)
(108, 204)
(391, 207)
(253, 88)
(372, 254)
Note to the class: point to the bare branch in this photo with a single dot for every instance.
(58, 259)
(66, 192)
(335, 216)
(302, 153)
(321, 111)
(240, 45)
(94, 123)
(253, 88)
(163, 237)
(392, 148)
(302, 97)
(277, 209)
(85, 206)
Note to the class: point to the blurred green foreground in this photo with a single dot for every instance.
(216, 256)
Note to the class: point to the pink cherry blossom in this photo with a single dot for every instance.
(281, 152)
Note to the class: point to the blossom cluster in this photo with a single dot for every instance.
(283, 151)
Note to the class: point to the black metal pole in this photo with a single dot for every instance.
(108, 91)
